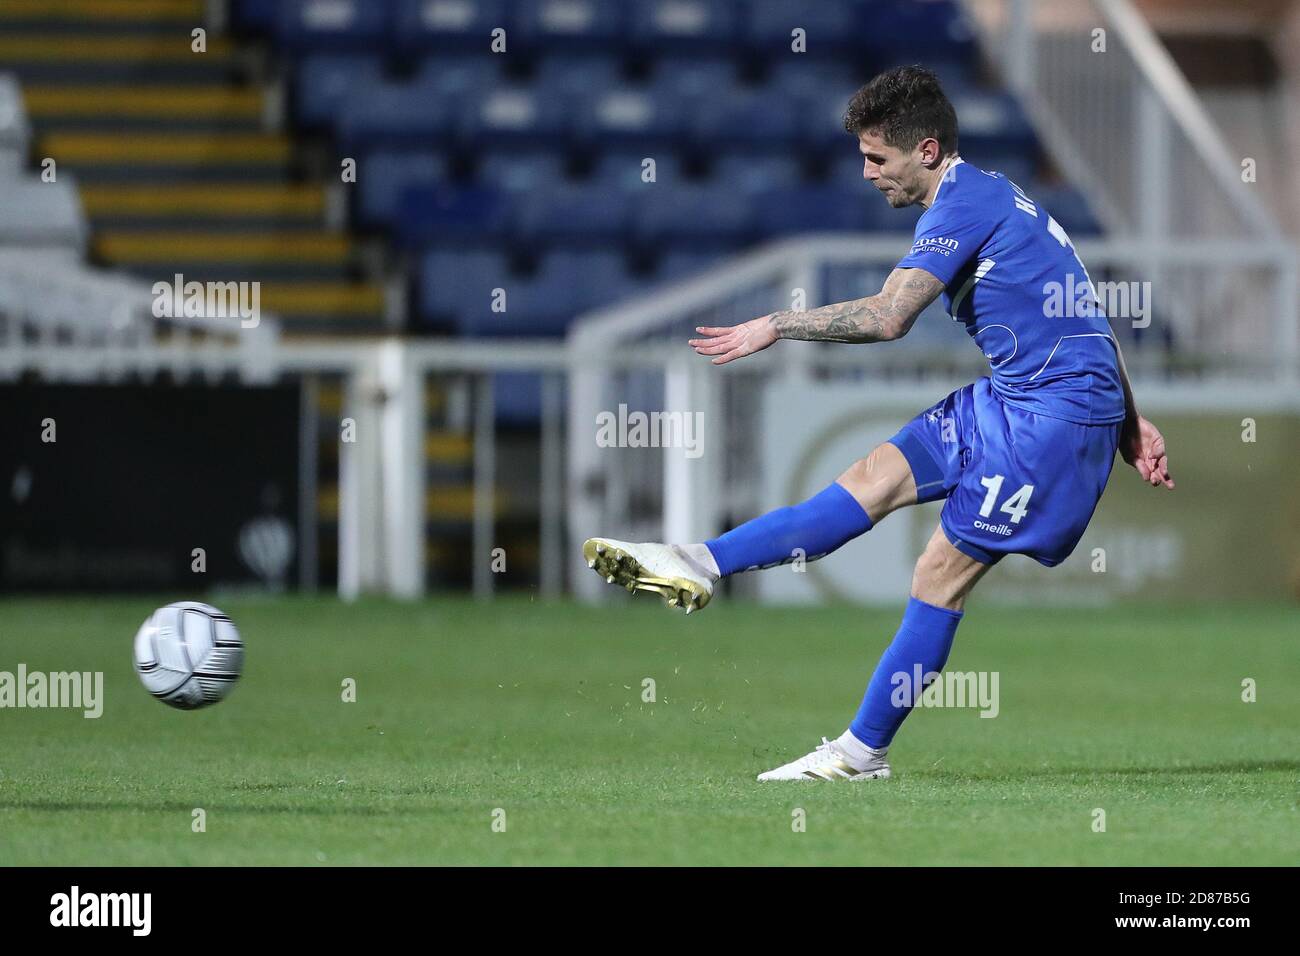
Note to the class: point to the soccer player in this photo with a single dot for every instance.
(1021, 456)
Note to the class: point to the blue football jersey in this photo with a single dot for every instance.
(1012, 278)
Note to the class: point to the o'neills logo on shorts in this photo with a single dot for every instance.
(1002, 529)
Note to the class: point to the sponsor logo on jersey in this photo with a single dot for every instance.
(939, 244)
(1002, 529)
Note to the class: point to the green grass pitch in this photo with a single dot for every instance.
(536, 709)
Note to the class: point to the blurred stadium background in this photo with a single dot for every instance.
(477, 225)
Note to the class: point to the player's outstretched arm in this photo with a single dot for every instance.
(882, 317)
(1141, 443)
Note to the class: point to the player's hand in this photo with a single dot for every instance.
(736, 341)
(1143, 447)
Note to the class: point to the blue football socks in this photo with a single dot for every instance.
(810, 530)
(915, 657)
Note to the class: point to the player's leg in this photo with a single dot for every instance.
(943, 578)
(685, 574)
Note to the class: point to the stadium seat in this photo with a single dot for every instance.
(302, 25)
(572, 75)
(573, 24)
(753, 173)
(625, 171)
(993, 122)
(829, 27)
(691, 78)
(380, 114)
(449, 214)
(626, 115)
(571, 214)
(692, 215)
(813, 208)
(323, 81)
(744, 117)
(513, 114)
(383, 178)
(515, 172)
(458, 75)
(464, 25)
(683, 24)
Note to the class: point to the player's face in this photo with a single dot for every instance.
(895, 172)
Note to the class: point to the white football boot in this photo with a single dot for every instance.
(664, 569)
(830, 761)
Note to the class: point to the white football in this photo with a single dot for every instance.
(188, 654)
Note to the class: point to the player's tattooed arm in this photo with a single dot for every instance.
(883, 317)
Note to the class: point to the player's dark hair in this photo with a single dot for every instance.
(904, 105)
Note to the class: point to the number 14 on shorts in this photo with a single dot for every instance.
(1016, 506)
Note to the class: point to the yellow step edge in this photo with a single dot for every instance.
(196, 103)
(162, 150)
(118, 50)
(448, 448)
(217, 200)
(82, 10)
(160, 246)
(452, 503)
(314, 298)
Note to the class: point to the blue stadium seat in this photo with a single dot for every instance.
(404, 115)
(383, 178)
(459, 287)
(323, 81)
(829, 27)
(453, 284)
(744, 117)
(449, 214)
(572, 75)
(458, 75)
(557, 24)
(628, 114)
(752, 173)
(916, 31)
(802, 76)
(694, 216)
(813, 208)
(517, 398)
(624, 171)
(993, 122)
(360, 25)
(514, 114)
(463, 25)
(516, 172)
(572, 214)
(692, 78)
(694, 24)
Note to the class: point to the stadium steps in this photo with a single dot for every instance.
(177, 170)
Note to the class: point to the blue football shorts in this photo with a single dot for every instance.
(1015, 482)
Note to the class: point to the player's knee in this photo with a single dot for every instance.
(881, 482)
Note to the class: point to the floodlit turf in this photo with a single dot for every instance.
(536, 710)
